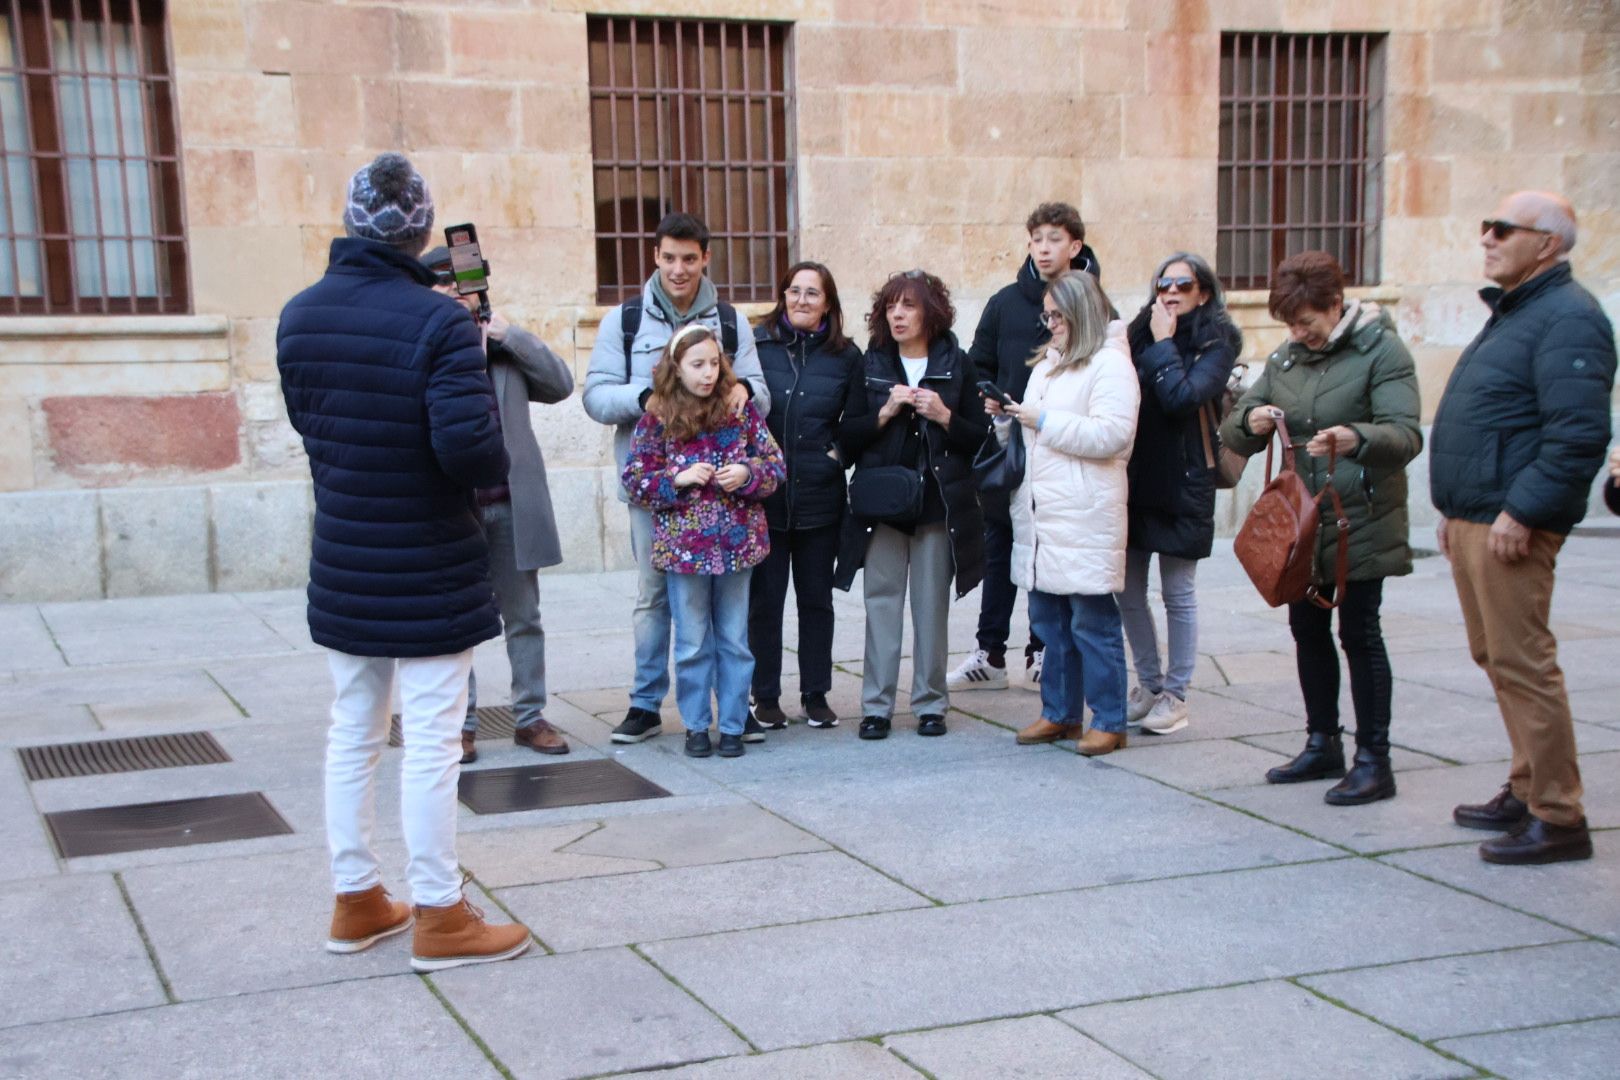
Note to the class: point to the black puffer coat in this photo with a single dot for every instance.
(945, 453)
(1524, 423)
(808, 386)
(385, 380)
(1172, 500)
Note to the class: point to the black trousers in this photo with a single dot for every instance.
(1362, 637)
(1000, 594)
(808, 554)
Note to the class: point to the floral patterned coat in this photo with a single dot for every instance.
(704, 530)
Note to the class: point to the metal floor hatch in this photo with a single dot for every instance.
(539, 787)
(100, 757)
(110, 830)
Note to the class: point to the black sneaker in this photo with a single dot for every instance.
(930, 725)
(818, 713)
(767, 714)
(731, 745)
(698, 745)
(753, 731)
(875, 727)
(639, 725)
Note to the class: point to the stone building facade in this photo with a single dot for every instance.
(151, 453)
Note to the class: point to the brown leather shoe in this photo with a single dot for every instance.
(451, 936)
(1097, 743)
(1537, 842)
(469, 749)
(1044, 731)
(542, 738)
(1502, 812)
(361, 919)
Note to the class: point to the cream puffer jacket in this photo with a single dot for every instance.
(1069, 521)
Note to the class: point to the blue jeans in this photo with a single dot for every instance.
(650, 622)
(1085, 659)
(1181, 616)
(710, 612)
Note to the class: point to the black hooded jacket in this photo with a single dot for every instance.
(1172, 497)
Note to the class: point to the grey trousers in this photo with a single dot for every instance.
(893, 559)
(517, 593)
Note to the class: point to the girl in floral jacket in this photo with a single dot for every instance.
(704, 472)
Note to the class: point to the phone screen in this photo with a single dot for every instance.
(466, 259)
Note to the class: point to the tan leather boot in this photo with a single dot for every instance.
(1044, 731)
(448, 937)
(361, 919)
(1094, 744)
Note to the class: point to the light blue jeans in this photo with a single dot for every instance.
(710, 613)
(1181, 617)
(650, 622)
(1085, 659)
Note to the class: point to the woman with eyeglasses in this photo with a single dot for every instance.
(1343, 383)
(807, 362)
(912, 423)
(1184, 344)
(1069, 517)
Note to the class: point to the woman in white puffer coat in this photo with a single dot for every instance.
(1069, 515)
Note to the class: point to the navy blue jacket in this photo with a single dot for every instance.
(385, 380)
(808, 384)
(1524, 423)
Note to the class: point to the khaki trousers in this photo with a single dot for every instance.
(1505, 608)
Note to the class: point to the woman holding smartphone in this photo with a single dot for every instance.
(912, 423)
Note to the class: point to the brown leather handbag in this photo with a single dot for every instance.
(1277, 544)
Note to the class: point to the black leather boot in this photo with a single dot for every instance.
(1369, 780)
(1322, 759)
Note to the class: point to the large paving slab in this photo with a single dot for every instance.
(1565, 1052)
(832, 1060)
(595, 912)
(25, 641)
(693, 839)
(952, 965)
(122, 697)
(1037, 820)
(1584, 895)
(48, 723)
(1197, 766)
(1255, 1032)
(71, 949)
(149, 629)
(499, 858)
(371, 1030)
(29, 853)
(1026, 1048)
(584, 1014)
(1470, 995)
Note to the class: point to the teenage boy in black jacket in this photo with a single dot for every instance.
(1009, 332)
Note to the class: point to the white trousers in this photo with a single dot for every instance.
(433, 697)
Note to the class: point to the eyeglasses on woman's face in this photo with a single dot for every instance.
(1051, 320)
(1179, 283)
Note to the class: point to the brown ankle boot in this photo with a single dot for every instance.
(448, 937)
(361, 919)
(1044, 731)
(1094, 744)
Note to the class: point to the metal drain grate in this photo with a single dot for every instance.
(494, 722)
(103, 756)
(110, 830)
(540, 787)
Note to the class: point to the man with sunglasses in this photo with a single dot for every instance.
(1517, 439)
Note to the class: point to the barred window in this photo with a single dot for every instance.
(90, 212)
(1301, 144)
(693, 116)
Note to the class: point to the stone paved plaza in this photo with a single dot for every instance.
(823, 907)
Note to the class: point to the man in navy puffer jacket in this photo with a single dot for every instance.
(385, 380)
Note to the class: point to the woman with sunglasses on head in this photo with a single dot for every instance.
(1069, 517)
(1344, 384)
(912, 423)
(807, 362)
(1184, 345)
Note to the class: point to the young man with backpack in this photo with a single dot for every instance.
(628, 345)
(1009, 332)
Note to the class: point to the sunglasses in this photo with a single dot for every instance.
(914, 275)
(1504, 229)
(1180, 284)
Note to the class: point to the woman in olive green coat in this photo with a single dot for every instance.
(1344, 379)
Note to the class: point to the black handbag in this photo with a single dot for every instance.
(890, 494)
(998, 467)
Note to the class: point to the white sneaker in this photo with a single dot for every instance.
(1169, 714)
(976, 673)
(1138, 703)
(1032, 671)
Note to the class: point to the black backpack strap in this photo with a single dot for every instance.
(629, 322)
(728, 328)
